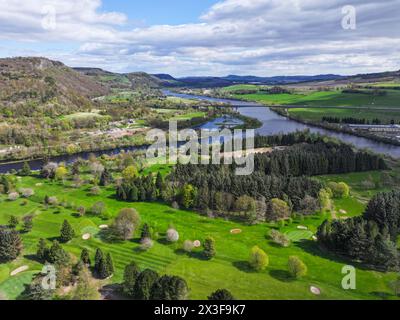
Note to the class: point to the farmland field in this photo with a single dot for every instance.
(316, 114)
(327, 98)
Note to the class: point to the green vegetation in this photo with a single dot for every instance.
(326, 98)
(229, 265)
(317, 114)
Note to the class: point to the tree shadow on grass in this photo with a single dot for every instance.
(180, 252)
(243, 266)
(32, 257)
(107, 236)
(315, 249)
(198, 255)
(52, 239)
(281, 275)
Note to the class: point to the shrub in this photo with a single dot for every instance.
(279, 238)
(53, 201)
(27, 192)
(81, 211)
(188, 246)
(146, 244)
(172, 235)
(296, 267)
(258, 259)
(339, 190)
(13, 196)
(98, 208)
(95, 191)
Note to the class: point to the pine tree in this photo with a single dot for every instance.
(110, 265)
(221, 294)
(134, 193)
(26, 169)
(145, 232)
(42, 251)
(131, 274)
(209, 248)
(66, 233)
(103, 269)
(144, 283)
(169, 288)
(85, 257)
(99, 256)
(58, 255)
(10, 245)
(159, 181)
(13, 222)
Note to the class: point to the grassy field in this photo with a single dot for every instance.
(316, 114)
(189, 115)
(228, 269)
(327, 98)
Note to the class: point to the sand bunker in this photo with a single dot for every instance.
(302, 228)
(342, 211)
(315, 290)
(86, 236)
(103, 226)
(38, 184)
(19, 270)
(236, 231)
(197, 244)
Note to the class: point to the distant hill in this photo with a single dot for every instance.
(201, 82)
(281, 79)
(38, 82)
(133, 80)
(379, 77)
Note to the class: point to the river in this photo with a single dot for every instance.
(272, 123)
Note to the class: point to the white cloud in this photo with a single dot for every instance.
(263, 37)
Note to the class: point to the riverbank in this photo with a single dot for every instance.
(335, 127)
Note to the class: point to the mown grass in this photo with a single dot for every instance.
(229, 269)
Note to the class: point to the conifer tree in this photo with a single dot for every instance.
(145, 232)
(42, 251)
(66, 233)
(99, 256)
(131, 274)
(209, 248)
(85, 257)
(13, 222)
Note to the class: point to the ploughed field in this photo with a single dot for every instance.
(229, 269)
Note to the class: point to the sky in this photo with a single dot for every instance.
(207, 37)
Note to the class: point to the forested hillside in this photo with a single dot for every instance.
(30, 86)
